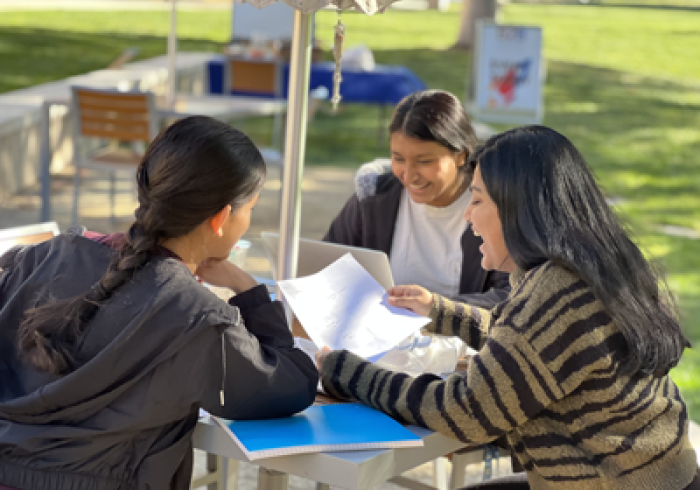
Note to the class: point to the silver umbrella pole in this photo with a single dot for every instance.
(294, 148)
(172, 55)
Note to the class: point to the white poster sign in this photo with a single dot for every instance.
(507, 74)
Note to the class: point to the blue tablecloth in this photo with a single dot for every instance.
(386, 84)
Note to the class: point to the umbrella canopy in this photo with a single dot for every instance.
(172, 54)
(308, 6)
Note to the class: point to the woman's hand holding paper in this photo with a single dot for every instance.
(415, 298)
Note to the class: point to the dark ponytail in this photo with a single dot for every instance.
(190, 172)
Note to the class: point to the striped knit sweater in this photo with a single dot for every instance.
(548, 375)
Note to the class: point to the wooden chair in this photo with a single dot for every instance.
(111, 119)
(244, 76)
(258, 78)
(263, 78)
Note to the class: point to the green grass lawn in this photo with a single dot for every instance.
(623, 84)
(663, 44)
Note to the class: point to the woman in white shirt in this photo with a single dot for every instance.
(411, 207)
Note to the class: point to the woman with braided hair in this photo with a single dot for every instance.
(109, 345)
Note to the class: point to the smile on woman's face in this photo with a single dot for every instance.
(482, 213)
(429, 171)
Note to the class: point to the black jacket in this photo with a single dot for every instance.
(369, 218)
(123, 418)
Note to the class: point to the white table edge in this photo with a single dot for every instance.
(350, 469)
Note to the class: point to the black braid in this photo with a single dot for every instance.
(49, 346)
(133, 256)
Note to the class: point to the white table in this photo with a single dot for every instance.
(217, 106)
(352, 470)
(220, 106)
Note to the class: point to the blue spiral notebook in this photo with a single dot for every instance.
(341, 427)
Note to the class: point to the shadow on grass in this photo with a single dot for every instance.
(637, 133)
(30, 56)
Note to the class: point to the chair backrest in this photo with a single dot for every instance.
(254, 77)
(23, 235)
(111, 114)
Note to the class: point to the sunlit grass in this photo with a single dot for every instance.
(654, 42)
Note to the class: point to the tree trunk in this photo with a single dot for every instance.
(441, 5)
(471, 11)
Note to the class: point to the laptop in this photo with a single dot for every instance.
(315, 255)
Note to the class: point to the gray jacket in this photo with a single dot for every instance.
(153, 354)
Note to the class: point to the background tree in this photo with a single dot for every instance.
(471, 11)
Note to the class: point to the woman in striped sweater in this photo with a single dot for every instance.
(573, 366)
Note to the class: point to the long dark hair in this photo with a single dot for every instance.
(552, 210)
(438, 116)
(191, 171)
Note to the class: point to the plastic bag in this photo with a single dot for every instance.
(424, 353)
(358, 57)
(418, 354)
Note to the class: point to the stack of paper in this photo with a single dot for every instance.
(344, 307)
(344, 427)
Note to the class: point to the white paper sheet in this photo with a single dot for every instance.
(344, 307)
